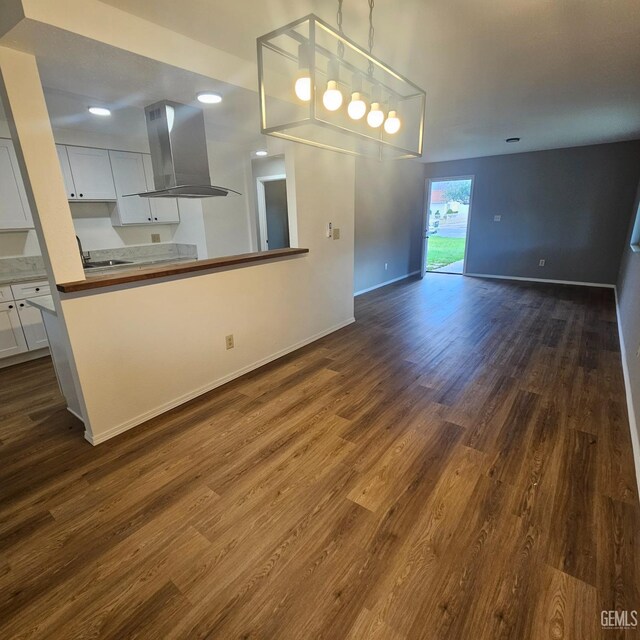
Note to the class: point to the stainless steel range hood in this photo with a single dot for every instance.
(179, 153)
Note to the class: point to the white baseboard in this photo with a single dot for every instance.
(24, 357)
(545, 280)
(633, 426)
(384, 284)
(176, 402)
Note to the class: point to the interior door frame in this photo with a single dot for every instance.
(262, 207)
(425, 219)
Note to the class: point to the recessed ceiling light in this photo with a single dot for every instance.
(512, 140)
(209, 98)
(262, 152)
(100, 111)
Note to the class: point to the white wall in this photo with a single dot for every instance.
(163, 343)
(227, 221)
(19, 243)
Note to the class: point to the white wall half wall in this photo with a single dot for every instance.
(140, 350)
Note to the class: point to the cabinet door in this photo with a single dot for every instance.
(14, 208)
(6, 294)
(163, 210)
(129, 177)
(91, 171)
(66, 172)
(11, 337)
(32, 326)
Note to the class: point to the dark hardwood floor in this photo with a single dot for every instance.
(457, 464)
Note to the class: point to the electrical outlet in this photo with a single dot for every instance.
(155, 237)
(386, 266)
(497, 218)
(336, 234)
(229, 341)
(542, 262)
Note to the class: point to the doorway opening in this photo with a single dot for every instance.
(273, 213)
(446, 224)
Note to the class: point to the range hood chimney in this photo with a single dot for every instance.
(179, 152)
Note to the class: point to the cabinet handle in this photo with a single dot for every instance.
(10, 306)
(22, 304)
(37, 288)
(155, 218)
(81, 195)
(149, 219)
(73, 195)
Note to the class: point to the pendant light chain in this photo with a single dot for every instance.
(371, 34)
(340, 30)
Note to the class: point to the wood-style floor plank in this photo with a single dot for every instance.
(456, 464)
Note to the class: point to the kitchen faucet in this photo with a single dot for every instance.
(85, 256)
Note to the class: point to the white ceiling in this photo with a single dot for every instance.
(77, 72)
(555, 73)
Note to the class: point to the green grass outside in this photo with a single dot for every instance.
(444, 251)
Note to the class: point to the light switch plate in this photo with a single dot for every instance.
(497, 218)
(336, 234)
(155, 237)
(542, 262)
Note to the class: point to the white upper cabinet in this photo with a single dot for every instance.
(163, 210)
(129, 177)
(14, 207)
(91, 171)
(103, 175)
(66, 171)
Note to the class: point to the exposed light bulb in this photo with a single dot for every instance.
(357, 107)
(375, 117)
(332, 98)
(303, 79)
(392, 123)
(303, 86)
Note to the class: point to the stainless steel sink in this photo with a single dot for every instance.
(94, 264)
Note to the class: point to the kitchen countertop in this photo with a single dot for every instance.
(132, 264)
(125, 274)
(19, 279)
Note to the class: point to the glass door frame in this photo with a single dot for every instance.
(425, 218)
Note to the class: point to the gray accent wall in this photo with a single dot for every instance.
(389, 200)
(629, 319)
(570, 207)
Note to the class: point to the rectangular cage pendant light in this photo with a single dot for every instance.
(318, 87)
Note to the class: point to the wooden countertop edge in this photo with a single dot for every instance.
(167, 270)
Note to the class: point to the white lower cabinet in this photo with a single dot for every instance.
(32, 326)
(12, 340)
(21, 325)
